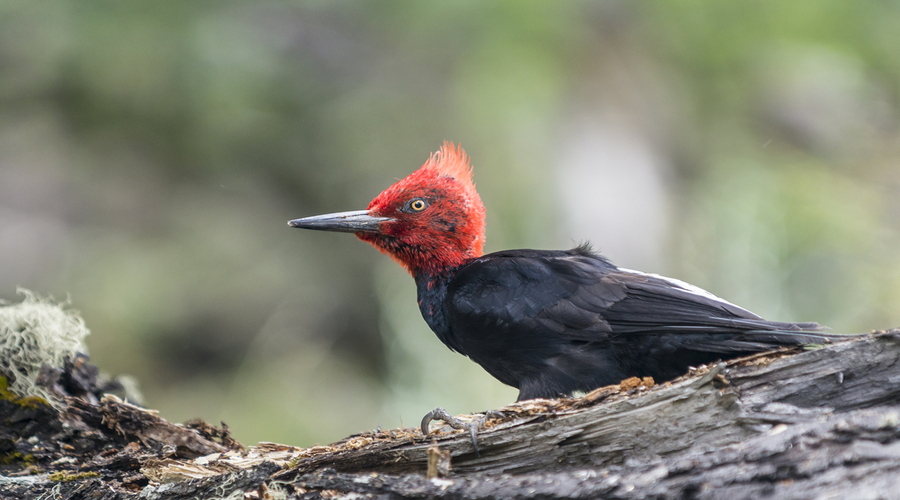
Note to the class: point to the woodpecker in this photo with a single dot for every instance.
(547, 322)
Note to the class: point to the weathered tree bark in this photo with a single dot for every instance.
(821, 423)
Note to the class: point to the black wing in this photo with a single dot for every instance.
(571, 320)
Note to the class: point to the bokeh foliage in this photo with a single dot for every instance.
(151, 153)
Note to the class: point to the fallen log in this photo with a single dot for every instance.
(788, 424)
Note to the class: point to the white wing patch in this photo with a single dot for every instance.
(696, 290)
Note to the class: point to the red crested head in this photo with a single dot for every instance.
(435, 218)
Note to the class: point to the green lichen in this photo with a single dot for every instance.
(63, 476)
(16, 457)
(30, 402)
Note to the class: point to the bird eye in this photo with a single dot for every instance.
(418, 204)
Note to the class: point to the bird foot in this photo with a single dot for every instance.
(473, 426)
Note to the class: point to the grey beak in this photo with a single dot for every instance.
(357, 221)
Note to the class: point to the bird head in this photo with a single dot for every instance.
(428, 222)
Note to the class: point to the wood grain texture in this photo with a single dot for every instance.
(719, 406)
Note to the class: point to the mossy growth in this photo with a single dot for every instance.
(16, 457)
(33, 333)
(30, 402)
(63, 476)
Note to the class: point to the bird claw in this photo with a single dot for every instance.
(442, 414)
(455, 423)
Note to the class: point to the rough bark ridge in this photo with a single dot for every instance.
(821, 423)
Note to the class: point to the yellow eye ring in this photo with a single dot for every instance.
(418, 205)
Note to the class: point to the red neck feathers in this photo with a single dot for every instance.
(438, 217)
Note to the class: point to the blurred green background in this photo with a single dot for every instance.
(151, 154)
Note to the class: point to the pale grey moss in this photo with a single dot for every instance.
(35, 332)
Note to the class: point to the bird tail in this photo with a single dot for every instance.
(766, 340)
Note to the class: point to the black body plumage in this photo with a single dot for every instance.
(553, 322)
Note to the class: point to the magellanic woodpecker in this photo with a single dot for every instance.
(547, 322)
